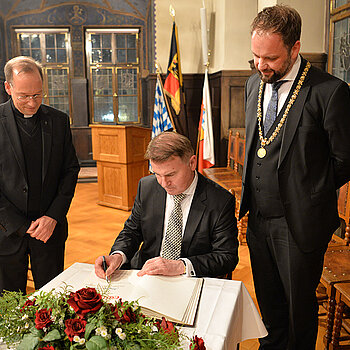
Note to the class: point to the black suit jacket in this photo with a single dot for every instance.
(210, 237)
(314, 157)
(59, 176)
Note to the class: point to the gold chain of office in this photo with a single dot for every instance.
(263, 140)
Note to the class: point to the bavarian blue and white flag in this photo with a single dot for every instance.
(161, 119)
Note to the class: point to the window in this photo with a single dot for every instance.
(113, 63)
(339, 40)
(51, 48)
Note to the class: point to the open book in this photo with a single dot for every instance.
(176, 298)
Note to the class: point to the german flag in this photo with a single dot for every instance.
(173, 80)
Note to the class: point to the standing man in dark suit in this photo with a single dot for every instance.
(38, 174)
(291, 173)
(207, 244)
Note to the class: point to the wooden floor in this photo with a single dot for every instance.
(93, 228)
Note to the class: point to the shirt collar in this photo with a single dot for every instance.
(189, 191)
(292, 74)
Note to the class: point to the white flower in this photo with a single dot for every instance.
(98, 331)
(118, 331)
(61, 322)
(122, 336)
(53, 318)
(26, 326)
(76, 338)
(139, 331)
(81, 341)
(44, 329)
(104, 333)
(24, 317)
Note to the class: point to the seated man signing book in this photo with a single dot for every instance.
(181, 223)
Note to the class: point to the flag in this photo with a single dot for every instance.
(206, 156)
(173, 80)
(161, 118)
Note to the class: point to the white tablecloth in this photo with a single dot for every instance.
(226, 313)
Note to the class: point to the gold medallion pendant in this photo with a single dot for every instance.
(261, 152)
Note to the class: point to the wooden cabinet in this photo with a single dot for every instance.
(119, 153)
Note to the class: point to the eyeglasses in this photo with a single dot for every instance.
(26, 98)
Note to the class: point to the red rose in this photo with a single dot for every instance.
(167, 326)
(28, 303)
(43, 318)
(75, 327)
(197, 343)
(85, 300)
(47, 347)
(128, 315)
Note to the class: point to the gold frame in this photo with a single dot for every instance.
(49, 65)
(91, 65)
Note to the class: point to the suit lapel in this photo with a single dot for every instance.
(10, 126)
(295, 113)
(195, 214)
(159, 202)
(251, 120)
(46, 132)
(292, 122)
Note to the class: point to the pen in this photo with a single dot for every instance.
(104, 265)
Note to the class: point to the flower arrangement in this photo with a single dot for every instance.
(85, 319)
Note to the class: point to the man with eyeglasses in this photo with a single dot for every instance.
(38, 175)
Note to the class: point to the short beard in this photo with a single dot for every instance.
(277, 75)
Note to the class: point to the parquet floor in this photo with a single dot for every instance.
(93, 228)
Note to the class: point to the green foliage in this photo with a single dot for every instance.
(118, 326)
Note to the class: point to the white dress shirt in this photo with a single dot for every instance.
(185, 207)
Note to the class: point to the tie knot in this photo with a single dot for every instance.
(178, 198)
(277, 84)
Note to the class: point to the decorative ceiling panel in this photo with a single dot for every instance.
(6, 6)
(49, 3)
(136, 7)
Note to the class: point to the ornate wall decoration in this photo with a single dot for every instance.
(77, 15)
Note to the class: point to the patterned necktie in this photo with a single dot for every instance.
(173, 236)
(271, 112)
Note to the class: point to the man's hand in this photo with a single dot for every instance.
(112, 261)
(42, 228)
(161, 266)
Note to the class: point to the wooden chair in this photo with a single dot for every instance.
(336, 269)
(215, 174)
(230, 177)
(342, 298)
(344, 209)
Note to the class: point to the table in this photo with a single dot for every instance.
(226, 313)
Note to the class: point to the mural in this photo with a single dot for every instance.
(77, 15)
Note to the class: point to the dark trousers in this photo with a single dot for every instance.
(46, 260)
(285, 281)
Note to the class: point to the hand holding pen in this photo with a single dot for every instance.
(104, 265)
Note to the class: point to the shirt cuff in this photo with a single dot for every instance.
(190, 272)
(123, 256)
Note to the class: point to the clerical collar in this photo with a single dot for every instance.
(20, 114)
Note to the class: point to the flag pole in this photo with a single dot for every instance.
(165, 99)
(205, 53)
